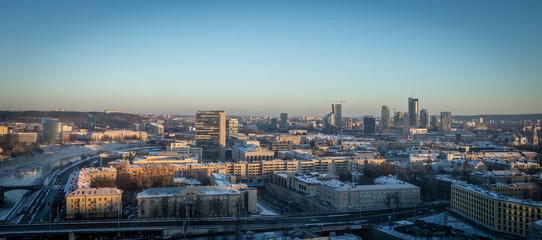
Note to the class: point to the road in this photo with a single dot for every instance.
(157, 226)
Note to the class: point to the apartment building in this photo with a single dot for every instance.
(505, 176)
(94, 203)
(494, 211)
(517, 190)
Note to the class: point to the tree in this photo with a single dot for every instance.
(102, 181)
(384, 169)
(388, 200)
(396, 199)
(216, 206)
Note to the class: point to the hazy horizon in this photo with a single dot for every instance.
(264, 58)
(260, 115)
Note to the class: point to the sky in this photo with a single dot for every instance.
(268, 57)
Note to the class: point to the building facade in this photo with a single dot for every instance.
(445, 121)
(283, 125)
(413, 112)
(369, 124)
(156, 129)
(184, 202)
(345, 196)
(211, 134)
(424, 118)
(385, 119)
(494, 211)
(184, 149)
(51, 131)
(94, 203)
(232, 127)
(398, 119)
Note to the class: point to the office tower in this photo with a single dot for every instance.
(424, 118)
(413, 112)
(406, 124)
(91, 124)
(51, 131)
(336, 110)
(348, 123)
(333, 120)
(369, 124)
(211, 134)
(435, 122)
(232, 127)
(398, 119)
(283, 122)
(273, 126)
(445, 121)
(385, 119)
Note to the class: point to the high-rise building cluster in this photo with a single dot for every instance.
(414, 120)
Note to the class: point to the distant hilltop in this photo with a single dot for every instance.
(113, 120)
(505, 117)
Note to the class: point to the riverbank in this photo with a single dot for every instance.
(21, 165)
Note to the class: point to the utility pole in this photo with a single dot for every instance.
(50, 223)
(118, 218)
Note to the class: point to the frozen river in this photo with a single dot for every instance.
(25, 176)
(23, 171)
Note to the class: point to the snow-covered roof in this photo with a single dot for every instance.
(496, 196)
(172, 191)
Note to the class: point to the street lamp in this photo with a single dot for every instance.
(289, 210)
(118, 217)
(49, 206)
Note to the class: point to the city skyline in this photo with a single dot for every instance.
(252, 58)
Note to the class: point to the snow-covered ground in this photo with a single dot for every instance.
(448, 220)
(266, 211)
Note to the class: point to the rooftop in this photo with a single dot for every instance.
(496, 196)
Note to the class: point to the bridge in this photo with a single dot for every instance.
(4, 189)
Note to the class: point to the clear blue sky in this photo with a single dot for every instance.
(267, 57)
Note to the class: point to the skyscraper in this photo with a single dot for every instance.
(336, 110)
(332, 120)
(232, 127)
(211, 133)
(398, 119)
(273, 125)
(435, 122)
(385, 119)
(424, 118)
(369, 124)
(413, 112)
(283, 125)
(348, 123)
(51, 131)
(445, 121)
(91, 124)
(406, 124)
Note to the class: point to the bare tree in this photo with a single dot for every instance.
(388, 200)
